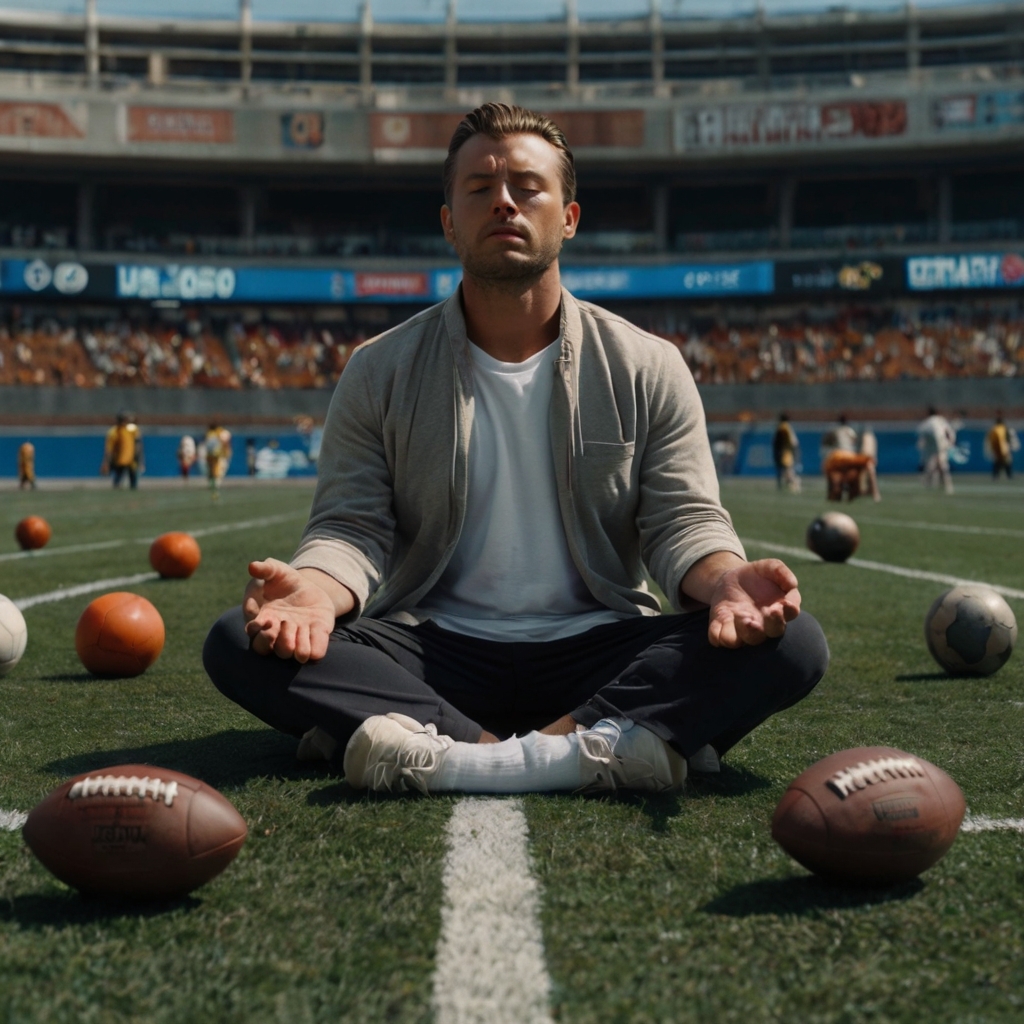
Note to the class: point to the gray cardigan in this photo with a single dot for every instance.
(636, 482)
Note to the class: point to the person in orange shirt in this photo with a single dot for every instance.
(27, 466)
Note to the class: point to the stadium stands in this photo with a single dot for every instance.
(781, 345)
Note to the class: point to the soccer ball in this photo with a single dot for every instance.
(13, 635)
(970, 630)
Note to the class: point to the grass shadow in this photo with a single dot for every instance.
(924, 677)
(71, 677)
(229, 758)
(730, 781)
(38, 910)
(804, 895)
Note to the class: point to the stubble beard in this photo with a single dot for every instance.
(508, 271)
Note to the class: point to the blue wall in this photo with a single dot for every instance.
(80, 455)
(897, 452)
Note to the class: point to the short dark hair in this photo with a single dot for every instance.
(499, 120)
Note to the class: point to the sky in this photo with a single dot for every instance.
(468, 10)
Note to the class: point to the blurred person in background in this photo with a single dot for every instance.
(27, 466)
(999, 446)
(935, 439)
(217, 445)
(122, 452)
(849, 463)
(186, 456)
(785, 450)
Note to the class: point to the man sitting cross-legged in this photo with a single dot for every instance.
(467, 610)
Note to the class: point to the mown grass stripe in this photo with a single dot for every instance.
(894, 570)
(85, 588)
(919, 524)
(490, 955)
(72, 549)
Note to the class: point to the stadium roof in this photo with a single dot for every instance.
(407, 11)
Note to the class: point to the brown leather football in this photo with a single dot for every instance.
(135, 830)
(870, 815)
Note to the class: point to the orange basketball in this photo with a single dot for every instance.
(32, 532)
(175, 555)
(119, 635)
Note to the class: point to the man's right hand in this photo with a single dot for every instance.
(287, 613)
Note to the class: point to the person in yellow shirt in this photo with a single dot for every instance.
(218, 455)
(123, 451)
(784, 452)
(1000, 443)
(27, 466)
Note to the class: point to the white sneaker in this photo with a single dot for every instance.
(617, 754)
(705, 761)
(394, 753)
(316, 745)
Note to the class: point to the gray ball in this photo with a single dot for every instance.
(970, 630)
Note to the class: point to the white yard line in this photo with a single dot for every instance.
(11, 821)
(983, 823)
(71, 549)
(490, 954)
(894, 570)
(85, 588)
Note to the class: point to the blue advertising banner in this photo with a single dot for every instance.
(678, 279)
(193, 282)
(965, 271)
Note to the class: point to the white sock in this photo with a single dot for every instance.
(534, 763)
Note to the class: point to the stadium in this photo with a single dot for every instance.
(207, 207)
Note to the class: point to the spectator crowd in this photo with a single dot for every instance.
(879, 344)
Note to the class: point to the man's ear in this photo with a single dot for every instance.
(572, 220)
(446, 224)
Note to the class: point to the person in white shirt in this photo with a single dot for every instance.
(935, 438)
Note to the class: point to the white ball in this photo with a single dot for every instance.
(13, 635)
(970, 630)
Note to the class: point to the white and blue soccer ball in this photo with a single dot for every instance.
(13, 635)
(970, 630)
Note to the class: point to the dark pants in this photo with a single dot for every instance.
(118, 472)
(659, 671)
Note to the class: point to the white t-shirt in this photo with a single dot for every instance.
(511, 576)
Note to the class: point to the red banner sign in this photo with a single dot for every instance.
(392, 284)
(41, 121)
(602, 128)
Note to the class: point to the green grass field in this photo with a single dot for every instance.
(668, 909)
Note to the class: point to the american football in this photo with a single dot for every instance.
(119, 635)
(135, 830)
(870, 816)
(833, 536)
(970, 630)
(175, 555)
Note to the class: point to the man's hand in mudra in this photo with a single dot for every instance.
(749, 602)
(290, 612)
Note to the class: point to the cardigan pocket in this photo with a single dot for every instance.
(609, 451)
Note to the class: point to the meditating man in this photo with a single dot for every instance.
(468, 609)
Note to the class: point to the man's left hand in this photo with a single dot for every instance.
(751, 602)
